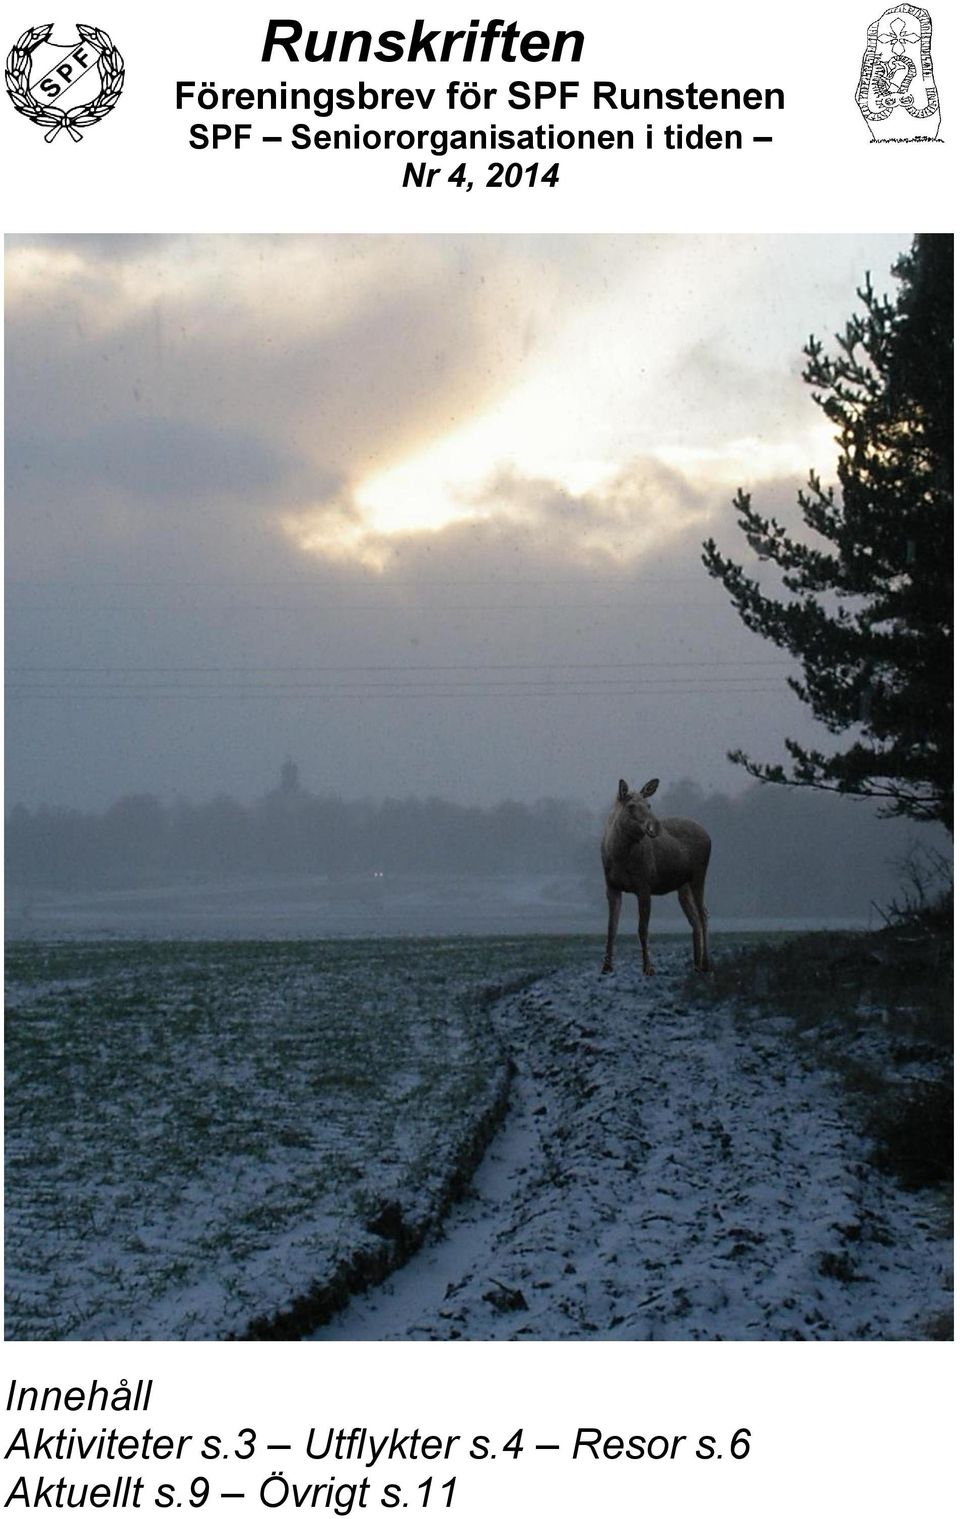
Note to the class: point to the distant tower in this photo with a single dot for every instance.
(289, 778)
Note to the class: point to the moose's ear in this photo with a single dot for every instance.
(623, 792)
(649, 788)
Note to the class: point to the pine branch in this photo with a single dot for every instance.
(866, 609)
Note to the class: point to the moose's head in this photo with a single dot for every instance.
(637, 808)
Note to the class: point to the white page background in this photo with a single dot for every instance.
(136, 173)
(836, 1428)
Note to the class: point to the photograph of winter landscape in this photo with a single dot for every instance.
(479, 787)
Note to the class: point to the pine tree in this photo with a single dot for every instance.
(870, 587)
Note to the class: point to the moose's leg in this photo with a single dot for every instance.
(614, 899)
(643, 929)
(700, 905)
(692, 914)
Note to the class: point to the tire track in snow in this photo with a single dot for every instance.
(665, 1171)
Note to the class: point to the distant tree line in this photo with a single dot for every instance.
(140, 839)
(775, 853)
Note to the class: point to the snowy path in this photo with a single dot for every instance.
(665, 1172)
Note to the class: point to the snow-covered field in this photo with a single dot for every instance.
(294, 907)
(668, 1170)
(197, 1134)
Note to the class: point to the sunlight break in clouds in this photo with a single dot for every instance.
(272, 495)
(656, 349)
(377, 386)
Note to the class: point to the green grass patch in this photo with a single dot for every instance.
(196, 1132)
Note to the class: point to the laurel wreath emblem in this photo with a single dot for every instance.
(109, 66)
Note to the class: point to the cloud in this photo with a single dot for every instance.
(731, 396)
(109, 247)
(276, 373)
(151, 459)
(643, 503)
(184, 414)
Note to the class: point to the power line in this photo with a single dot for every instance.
(612, 688)
(314, 582)
(334, 609)
(607, 664)
(468, 693)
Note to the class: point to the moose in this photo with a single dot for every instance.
(650, 857)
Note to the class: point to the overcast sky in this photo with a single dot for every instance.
(422, 513)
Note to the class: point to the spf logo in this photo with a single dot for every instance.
(64, 86)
